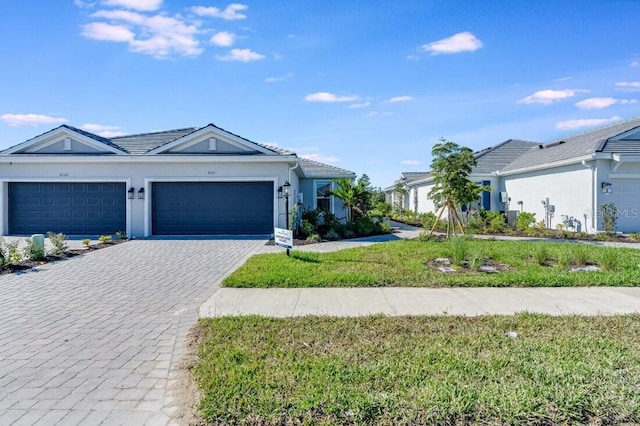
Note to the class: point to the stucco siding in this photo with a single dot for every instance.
(142, 174)
(568, 188)
(625, 195)
(425, 204)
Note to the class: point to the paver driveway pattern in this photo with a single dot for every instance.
(96, 339)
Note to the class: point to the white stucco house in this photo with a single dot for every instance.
(563, 182)
(192, 181)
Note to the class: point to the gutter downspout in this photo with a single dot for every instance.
(291, 169)
(593, 195)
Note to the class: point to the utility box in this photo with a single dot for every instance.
(38, 241)
(512, 217)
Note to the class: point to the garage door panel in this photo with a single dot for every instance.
(71, 208)
(209, 208)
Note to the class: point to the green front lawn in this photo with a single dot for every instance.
(424, 370)
(403, 263)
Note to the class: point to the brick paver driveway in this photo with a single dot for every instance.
(96, 339)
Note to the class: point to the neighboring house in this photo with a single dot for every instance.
(194, 181)
(563, 182)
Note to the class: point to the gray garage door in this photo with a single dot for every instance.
(210, 208)
(96, 208)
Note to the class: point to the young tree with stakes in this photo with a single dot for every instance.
(451, 166)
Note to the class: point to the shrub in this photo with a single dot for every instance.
(314, 238)
(13, 255)
(4, 257)
(609, 217)
(58, 241)
(86, 242)
(525, 220)
(307, 228)
(459, 249)
(104, 239)
(476, 260)
(32, 250)
(365, 226)
(331, 235)
(497, 221)
(581, 254)
(609, 258)
(540, 254)
(635, 236)
(425, 237)
(121, 235)
(563, 259)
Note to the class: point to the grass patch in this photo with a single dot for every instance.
(402, 263)
(423, 370)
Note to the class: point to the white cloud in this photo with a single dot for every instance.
(104, 131)
(632, 86)
(360, 105)
(563, 79)
(241, 55)
(107, 32)
(223, 38)
(586, 122)
(600, 103)
(634, 64)
(398, 99)
(321, 158)
(20, 120)
(329, 97)
(461, 42)
(411, 162)
(142, 5)
(156, 35)
(413, 58)
(84, 4)
(549, 96)
(278, 79)
(230, 13)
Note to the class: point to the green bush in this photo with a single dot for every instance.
(13, 254)
(459, 249)
(365, 226)
(86, 242)
(332, 235)
(497, 221)
(307, 228)
(121, 235)
(609, 217)
(314, 238)
(32, 250)
(541, 254)
(58, 241)
(525, 220)
(104, 239)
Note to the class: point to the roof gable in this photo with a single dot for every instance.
(66, 140)
(211, 140)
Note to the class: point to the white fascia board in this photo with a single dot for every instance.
(57, 135)
(211, 130)
(175, 159)
(574, 160)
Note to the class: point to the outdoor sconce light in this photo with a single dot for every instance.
(280, 192)
(285, 188)
(130, 193)
(141, 194)
(606, 187)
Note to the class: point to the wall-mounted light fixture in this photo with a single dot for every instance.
(606, 188)
(141, 194)
(130, 193)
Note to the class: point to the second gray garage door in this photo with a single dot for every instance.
(210, 208)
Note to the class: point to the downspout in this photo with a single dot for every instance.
(593, 195)
(291, 169)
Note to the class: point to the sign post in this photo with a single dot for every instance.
(283, 238)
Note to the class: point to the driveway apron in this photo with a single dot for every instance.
(96, 339)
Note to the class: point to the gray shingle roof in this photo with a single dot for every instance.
(575, 146)
(320, 170)
(497, 157)
(144, 142)
(413, 176)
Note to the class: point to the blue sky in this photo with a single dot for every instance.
(368, 86)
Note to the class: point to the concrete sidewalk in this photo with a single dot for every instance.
(396, 301)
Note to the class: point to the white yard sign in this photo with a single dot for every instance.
(283, 238)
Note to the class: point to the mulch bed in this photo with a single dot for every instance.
(28, 264)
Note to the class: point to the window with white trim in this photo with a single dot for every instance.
(323, 196)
